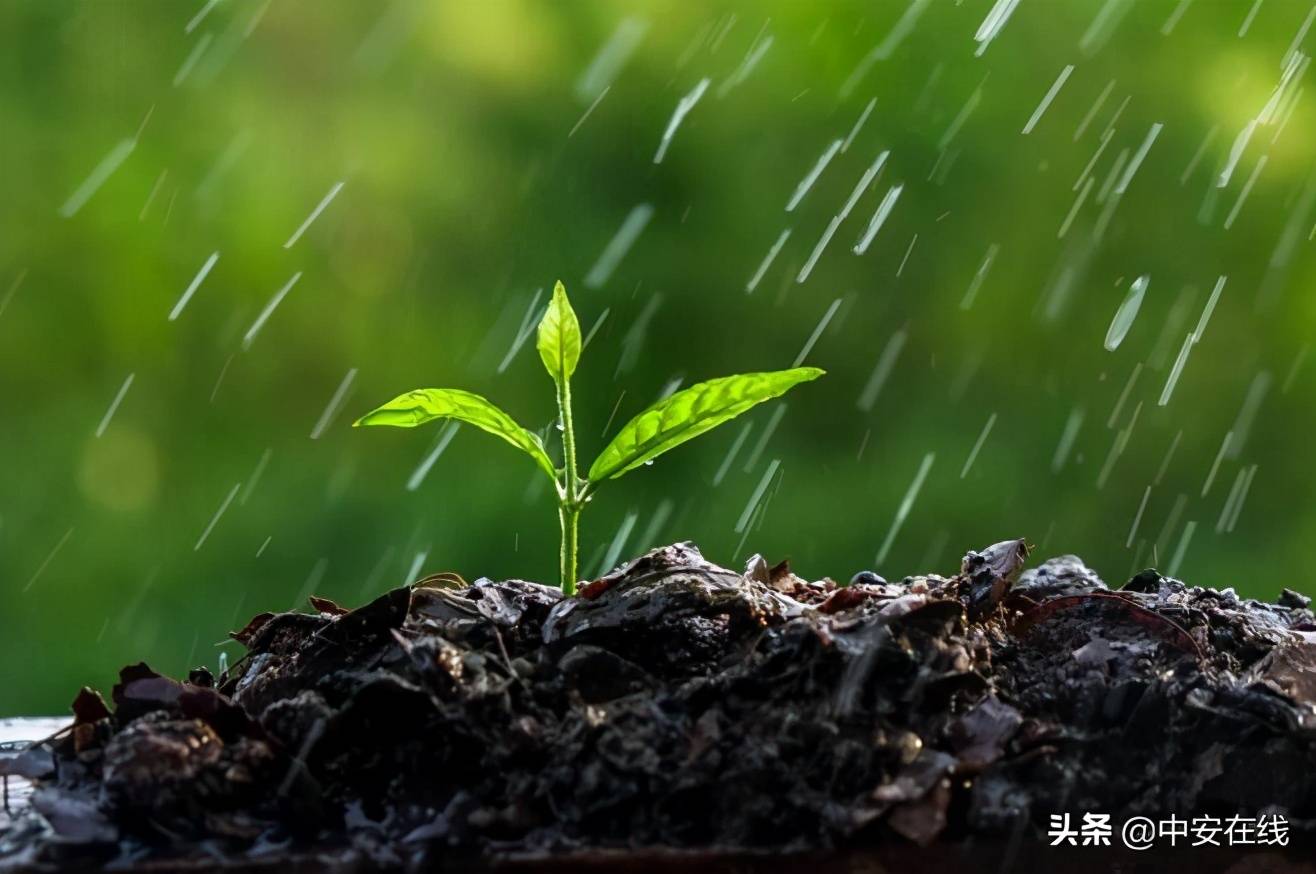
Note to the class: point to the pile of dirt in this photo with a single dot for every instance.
(678, 704)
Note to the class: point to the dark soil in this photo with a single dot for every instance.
(677, 705)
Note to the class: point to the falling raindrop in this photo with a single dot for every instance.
(1127, 312)
(1247, 21)
(906, 504)
(270, 307)
(189, 63)
(422, 470)
(977, 446)
(887, 360)
(757, 495)
(619, 245)
(315, 213)
(1133, 529)
(49, 558)
(215, 519)
(812, 176)
(863, 117)
(992, 24)
(767, 261)
(1182, 549)
(1046, 100)
(817, 332)
(683, 107)
(611, 58)
(192, 287)
(879, 218)
(114, 405)
(335, 404)
(103, 171)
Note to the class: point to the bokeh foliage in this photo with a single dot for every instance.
(471, 183)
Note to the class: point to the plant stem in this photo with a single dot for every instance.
(570, 499)
(568, 517)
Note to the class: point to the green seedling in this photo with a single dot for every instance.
(663, 426)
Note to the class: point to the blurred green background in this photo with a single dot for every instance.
(477, 151)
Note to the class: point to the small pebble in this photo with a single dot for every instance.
(867, 578)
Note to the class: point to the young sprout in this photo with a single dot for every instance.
(666, 424)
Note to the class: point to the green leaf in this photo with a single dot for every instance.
(689, 413)
(427, 404)
(559, 337)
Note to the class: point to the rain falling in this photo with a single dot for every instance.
(1058, 294)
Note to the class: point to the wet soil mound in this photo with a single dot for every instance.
(677, 704)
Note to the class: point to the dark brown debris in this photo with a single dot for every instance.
(678, 704)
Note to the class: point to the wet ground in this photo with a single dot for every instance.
(680, 707)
